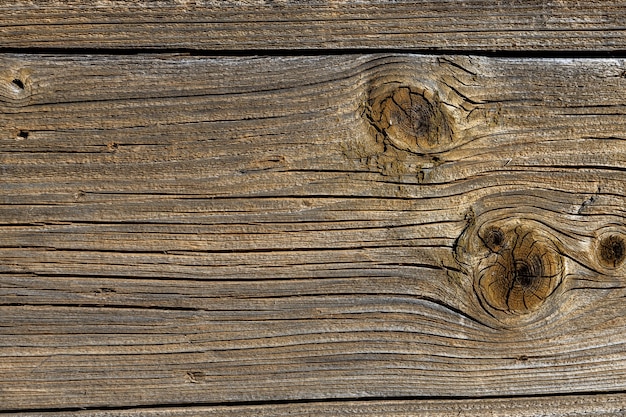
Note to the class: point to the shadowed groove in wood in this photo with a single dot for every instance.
(583, 404)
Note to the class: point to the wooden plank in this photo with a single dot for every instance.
(570, 406)
(195, 230)
(470, 25)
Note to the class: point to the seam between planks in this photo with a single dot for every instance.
(289, 52)
(338, 400)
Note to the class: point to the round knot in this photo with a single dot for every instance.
(611, 250)
(411, 119)
(519, 269)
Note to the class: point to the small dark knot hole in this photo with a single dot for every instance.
(494, 239)
(612, 250)
(17, 82)
(23, 134)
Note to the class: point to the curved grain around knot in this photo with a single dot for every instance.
(519, 274)
(410, 118)
(515, 264)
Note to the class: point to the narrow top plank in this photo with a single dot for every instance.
(471, 25)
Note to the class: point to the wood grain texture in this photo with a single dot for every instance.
(559, 406)
(505, 25)
(193, 230)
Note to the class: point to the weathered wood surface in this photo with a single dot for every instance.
(559, 406)
(470, 25)
(193, 230)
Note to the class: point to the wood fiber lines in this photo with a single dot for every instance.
(215, 25)
(186, 230)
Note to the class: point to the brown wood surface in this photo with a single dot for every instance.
(470, 25)
(180, 230)
(559, 406)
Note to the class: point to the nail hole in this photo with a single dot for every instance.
(612, 250)
(23, 134)
(17, 82)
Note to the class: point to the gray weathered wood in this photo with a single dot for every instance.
(195, 230)
(470, 25)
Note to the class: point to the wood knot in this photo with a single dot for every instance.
(515, 267)
(611, 250)
(410, 119)
(16, 86)
(493, 238)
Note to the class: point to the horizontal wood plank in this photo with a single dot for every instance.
(184, 230)
(559, 406)
(471, 25)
